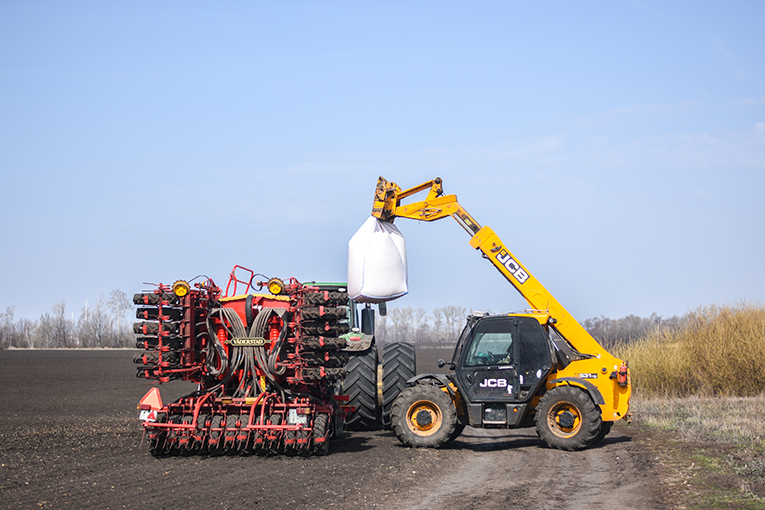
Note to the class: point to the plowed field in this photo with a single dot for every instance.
(70, 438)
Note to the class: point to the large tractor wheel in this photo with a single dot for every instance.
(605, 428)
(567, 419)
(361, 387)
(320, 439)
(399, 363)
(457, 432)
(423, 416)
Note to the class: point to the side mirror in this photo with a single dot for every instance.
(382, 308)
(442, 364)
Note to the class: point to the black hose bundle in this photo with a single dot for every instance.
(246, 360)
(214, 347)
(267, 362)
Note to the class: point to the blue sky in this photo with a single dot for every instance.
(618, 148)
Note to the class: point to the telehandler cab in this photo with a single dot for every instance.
(538, 368)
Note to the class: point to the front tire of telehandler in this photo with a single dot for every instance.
(423, 416)
(567, 419)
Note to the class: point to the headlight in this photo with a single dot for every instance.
(275, 286)
(180, 288)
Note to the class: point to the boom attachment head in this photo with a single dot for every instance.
(387, 205)
(388, 196)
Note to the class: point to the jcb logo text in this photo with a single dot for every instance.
(493, 383)
(511, 265)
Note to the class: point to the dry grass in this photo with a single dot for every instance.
(732, 420)
(719, 351)
(714, 448)
(703, 386)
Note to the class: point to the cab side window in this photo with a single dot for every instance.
(492, 345)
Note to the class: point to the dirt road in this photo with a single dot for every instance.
(69, 438)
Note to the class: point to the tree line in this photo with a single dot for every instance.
(613, 332)
(408, 324)
(100, 324)
(106, 323)
(445, 324)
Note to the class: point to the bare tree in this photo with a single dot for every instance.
(420, 326)
(7, 329)
(101, 325)
(400, 327)
(438, 332)
(62, 333)
(44, 332)
(451, 319)
(93, 327)
(381, 328)
(610, 332)
(119, 304)
(26, 329)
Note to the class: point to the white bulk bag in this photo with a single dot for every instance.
(377, 263)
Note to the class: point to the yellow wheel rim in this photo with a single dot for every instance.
(424, 418)
(564, 419)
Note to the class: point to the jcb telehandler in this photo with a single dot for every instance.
(538, 368)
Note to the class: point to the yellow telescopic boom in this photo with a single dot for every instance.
(388, 206)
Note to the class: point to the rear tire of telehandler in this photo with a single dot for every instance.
(458, 429)
(567, 419)
(423, 416)
(605, 428)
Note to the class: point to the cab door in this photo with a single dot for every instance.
(486, 371)
(505, 359)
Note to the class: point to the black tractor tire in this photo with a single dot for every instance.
(325, 373)
(323, 343)
(567, 419)
(324, 313)
(424, 416)
(360, 385)
(324, 328)
(399, 364)
(274, 446)
(152, 342)
(457, 432)
(326, 298)
(153, 328)
(152, 314)
(325, 358)
(155, 299)
(320, 435)
(605, 428)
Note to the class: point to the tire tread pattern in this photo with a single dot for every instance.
(590, 426)
(361, 387)
(435, 395)
(399, 362)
